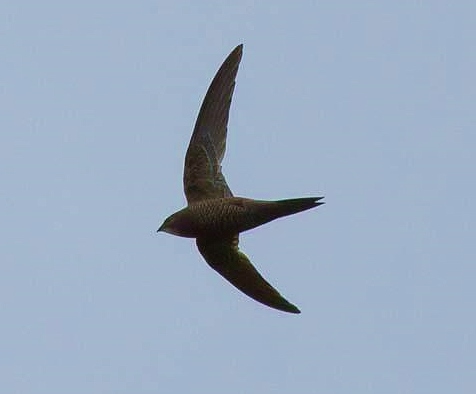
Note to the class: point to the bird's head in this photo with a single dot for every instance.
(177, 224)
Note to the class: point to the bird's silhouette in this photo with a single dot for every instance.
(213, 216)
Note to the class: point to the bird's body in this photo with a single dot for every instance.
(231, 215)
(213, 216)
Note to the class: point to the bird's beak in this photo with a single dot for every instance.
(161, 228)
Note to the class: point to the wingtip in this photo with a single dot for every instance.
(238, 50)
(286, 306)
(282, 305)
(293, 309)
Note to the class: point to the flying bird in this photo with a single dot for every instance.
(214, 216)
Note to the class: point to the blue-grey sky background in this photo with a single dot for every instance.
(371, 104)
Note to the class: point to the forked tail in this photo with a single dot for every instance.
(261, 212)
(295, 205)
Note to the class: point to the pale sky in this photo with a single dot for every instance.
(371, 104)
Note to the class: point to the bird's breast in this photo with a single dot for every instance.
(218, 216)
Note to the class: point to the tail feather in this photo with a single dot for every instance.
(262, 212)
(295, 205)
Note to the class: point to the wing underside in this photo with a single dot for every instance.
(224, 256)
(202, 176)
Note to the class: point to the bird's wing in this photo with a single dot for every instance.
(202, 177)
(224, 257)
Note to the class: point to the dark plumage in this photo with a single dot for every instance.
(213, 215)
